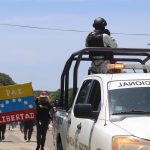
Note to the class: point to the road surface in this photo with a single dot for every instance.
(14, 140)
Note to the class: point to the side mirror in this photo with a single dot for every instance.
(83, 110)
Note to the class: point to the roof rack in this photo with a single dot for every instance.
(87, 55)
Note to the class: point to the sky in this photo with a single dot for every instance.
(38, 55)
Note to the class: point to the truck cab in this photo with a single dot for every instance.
(108, 111)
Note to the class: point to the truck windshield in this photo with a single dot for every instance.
(130, 101)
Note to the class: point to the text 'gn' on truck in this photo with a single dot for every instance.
(109, 111)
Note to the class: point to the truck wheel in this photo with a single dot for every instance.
(59, 144)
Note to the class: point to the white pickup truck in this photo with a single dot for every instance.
(108, 111)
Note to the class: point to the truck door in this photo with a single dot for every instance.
(81, 129)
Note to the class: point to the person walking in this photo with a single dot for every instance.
(21, 125)
(12, 125)
(100, 37)
(28, 129)
(2, 131)
(44, 116)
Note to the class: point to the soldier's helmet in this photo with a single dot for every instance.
(99, 23)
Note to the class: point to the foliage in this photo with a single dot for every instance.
(55, 95)
(5, 80)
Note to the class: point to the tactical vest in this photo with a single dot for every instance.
(95, 39)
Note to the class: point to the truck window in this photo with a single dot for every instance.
(95, 95)
(130, 100)
(90, 93)
(84, 92)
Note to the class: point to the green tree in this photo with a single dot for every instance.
(55, 95)
(5, 80)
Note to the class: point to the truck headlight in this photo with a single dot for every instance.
(129, 143)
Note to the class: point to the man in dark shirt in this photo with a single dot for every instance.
(44, 116)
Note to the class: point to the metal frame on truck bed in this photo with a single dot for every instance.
(88, 54)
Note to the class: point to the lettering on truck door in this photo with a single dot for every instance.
(89, 94)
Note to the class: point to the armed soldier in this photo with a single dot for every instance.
(100, 37)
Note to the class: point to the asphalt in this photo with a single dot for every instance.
(14, 140)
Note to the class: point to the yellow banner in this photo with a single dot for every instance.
(17, 90)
